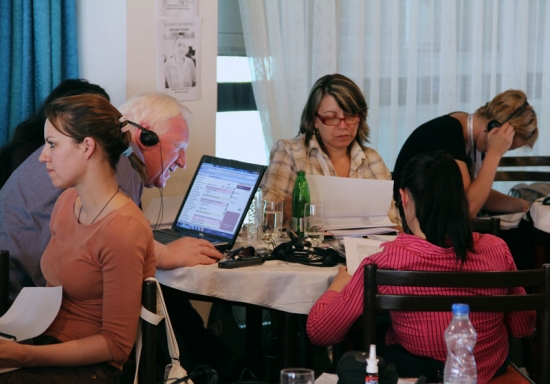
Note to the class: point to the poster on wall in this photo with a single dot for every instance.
(177, 8)
(178, 57)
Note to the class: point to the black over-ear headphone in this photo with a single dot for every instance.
(147, 137)
(494, 123)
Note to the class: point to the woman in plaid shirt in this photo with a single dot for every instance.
(331, 142)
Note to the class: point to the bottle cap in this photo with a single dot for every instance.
(372, 361)
(461, 309)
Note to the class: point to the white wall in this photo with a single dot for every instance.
(102, 45)
(117, 48)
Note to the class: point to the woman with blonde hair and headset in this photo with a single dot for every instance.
(477, 141)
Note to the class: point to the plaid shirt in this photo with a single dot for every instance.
(290, 156)
(422, 333)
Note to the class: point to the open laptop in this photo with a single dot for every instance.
(216, 202)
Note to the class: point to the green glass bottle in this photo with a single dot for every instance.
(300, 196)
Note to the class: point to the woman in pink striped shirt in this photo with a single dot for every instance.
(437, 237)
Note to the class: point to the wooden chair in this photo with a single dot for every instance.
(540, 301)
(147, 361)
(488, 225)
(4, 282)
(523, 175)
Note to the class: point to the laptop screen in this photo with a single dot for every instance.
(218, 198)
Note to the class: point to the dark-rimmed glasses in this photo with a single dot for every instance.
(241, 253)
(333, 121)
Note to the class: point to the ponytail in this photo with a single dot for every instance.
(435, 184)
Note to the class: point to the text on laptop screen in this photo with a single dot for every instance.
(217, 200)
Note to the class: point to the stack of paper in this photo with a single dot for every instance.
(352, 203)
(357, 249)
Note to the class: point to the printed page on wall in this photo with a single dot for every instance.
(178, 57)
(177, 8)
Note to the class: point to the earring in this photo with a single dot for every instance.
(317, 135)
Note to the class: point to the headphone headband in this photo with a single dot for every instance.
(495, 123)
(516, 112)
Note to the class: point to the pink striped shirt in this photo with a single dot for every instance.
(421, 333)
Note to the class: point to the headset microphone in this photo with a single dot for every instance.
(147, 137)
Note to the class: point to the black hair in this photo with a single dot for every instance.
(435, 184)
(29, 134)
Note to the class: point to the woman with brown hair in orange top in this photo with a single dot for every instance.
(100, 251)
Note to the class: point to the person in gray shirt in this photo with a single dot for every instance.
(28, 197)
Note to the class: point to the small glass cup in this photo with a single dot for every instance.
(297, 376)
(250, 232)
(314, 224)
(272, 222)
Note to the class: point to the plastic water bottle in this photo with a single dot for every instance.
(252, 225)
(300, 196)
(461, 337)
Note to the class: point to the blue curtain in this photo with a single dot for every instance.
(38, 50)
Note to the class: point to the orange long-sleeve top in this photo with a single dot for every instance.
(101, 268)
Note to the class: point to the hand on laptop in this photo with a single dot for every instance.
(185, 252)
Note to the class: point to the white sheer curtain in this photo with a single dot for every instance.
(413, 59)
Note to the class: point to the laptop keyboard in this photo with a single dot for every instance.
(165, 236)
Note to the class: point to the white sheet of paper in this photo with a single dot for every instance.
(357, 249)
(189, 29)
(32, 312)
(352, 203)
(357, 222)
(327, 378)
(340, 233)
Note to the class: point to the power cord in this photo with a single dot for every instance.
(161, 192)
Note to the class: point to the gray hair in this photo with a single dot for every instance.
(155, 108)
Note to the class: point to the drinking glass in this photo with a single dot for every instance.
(272, 222)
(250, 233)
(314, 224)
(297, 376)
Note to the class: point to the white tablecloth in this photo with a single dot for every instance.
(288, 287)
(541, 216)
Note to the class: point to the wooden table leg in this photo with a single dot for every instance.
(287, 346)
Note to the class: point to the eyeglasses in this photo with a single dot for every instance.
(241, 253)
(332, 121)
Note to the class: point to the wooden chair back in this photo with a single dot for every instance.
(486, 225)
(148, 361)
(539, 300)
(523, 174)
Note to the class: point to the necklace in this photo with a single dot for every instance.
(475, 155)
(102, 209)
